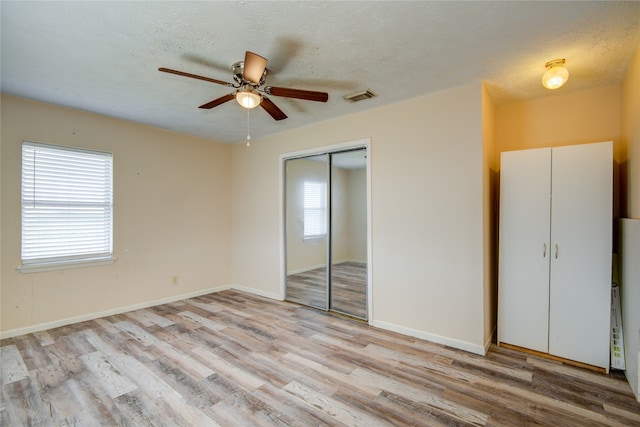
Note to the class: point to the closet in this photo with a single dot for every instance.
(555, 245)
(326, 215)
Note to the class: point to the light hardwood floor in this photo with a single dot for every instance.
(348, 288)
(234, 359)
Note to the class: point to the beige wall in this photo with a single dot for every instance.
(489, 214)
(630, 124)
(427, 212)
(578, 118)
(172, 216)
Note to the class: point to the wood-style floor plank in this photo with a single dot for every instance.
(13, 366)
(235, 359)
(348, 288)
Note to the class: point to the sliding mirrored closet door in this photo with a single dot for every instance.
(326, 231)
(307, 204)
(349, 233)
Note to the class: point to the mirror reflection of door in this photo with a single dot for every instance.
(326, 219)
(349, 233)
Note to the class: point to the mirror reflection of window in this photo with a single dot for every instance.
(315, 209)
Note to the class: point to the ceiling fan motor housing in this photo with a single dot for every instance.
(238, 69)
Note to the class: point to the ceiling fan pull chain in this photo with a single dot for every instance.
(248, 123)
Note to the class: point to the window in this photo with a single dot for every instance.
(67, 205)
(315, 209)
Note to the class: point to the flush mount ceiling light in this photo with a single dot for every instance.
(248, 98)
(556, 75)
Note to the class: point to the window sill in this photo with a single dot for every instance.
(315, 237)
(64, 265)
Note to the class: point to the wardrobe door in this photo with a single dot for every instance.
(523, 297)
(581, 233)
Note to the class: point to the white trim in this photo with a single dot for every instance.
(64, 265)
(369, 236)
(461, 345)
(118, 310)
(364, 143)
(257, 292)
(489, 340)
(313, 267)
(305, 269)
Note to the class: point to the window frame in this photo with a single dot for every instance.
(63, 200)
(320, 208)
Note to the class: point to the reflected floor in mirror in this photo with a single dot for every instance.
(349, 288)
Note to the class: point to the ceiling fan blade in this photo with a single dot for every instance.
(272, 109)
(308, 95)
(193, 76)
(254, 66)
(218, 101)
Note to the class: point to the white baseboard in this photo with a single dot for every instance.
(461, 345)
(119, 310)
(305, 269)
(343, 261)
(314, 267)
(257, 292)
(487, 343)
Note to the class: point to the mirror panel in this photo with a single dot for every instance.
(348, 290)
(306, 210)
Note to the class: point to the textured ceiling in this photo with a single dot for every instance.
(103, 56)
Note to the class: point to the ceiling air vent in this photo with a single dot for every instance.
(359, 96)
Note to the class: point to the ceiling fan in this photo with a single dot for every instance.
(249, 76)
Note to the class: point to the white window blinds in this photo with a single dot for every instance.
(315, 209)
(67, 204)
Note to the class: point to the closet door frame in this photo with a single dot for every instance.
(330, 149)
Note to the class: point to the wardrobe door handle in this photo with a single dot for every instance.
(556, 251)
(544, 251)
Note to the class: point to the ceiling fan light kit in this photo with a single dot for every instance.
(556, 75)
(248, 98)
(249, 75)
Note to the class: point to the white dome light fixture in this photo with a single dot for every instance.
(248, 98)
(556, 75)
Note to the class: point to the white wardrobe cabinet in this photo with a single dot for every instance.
(555, 243)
